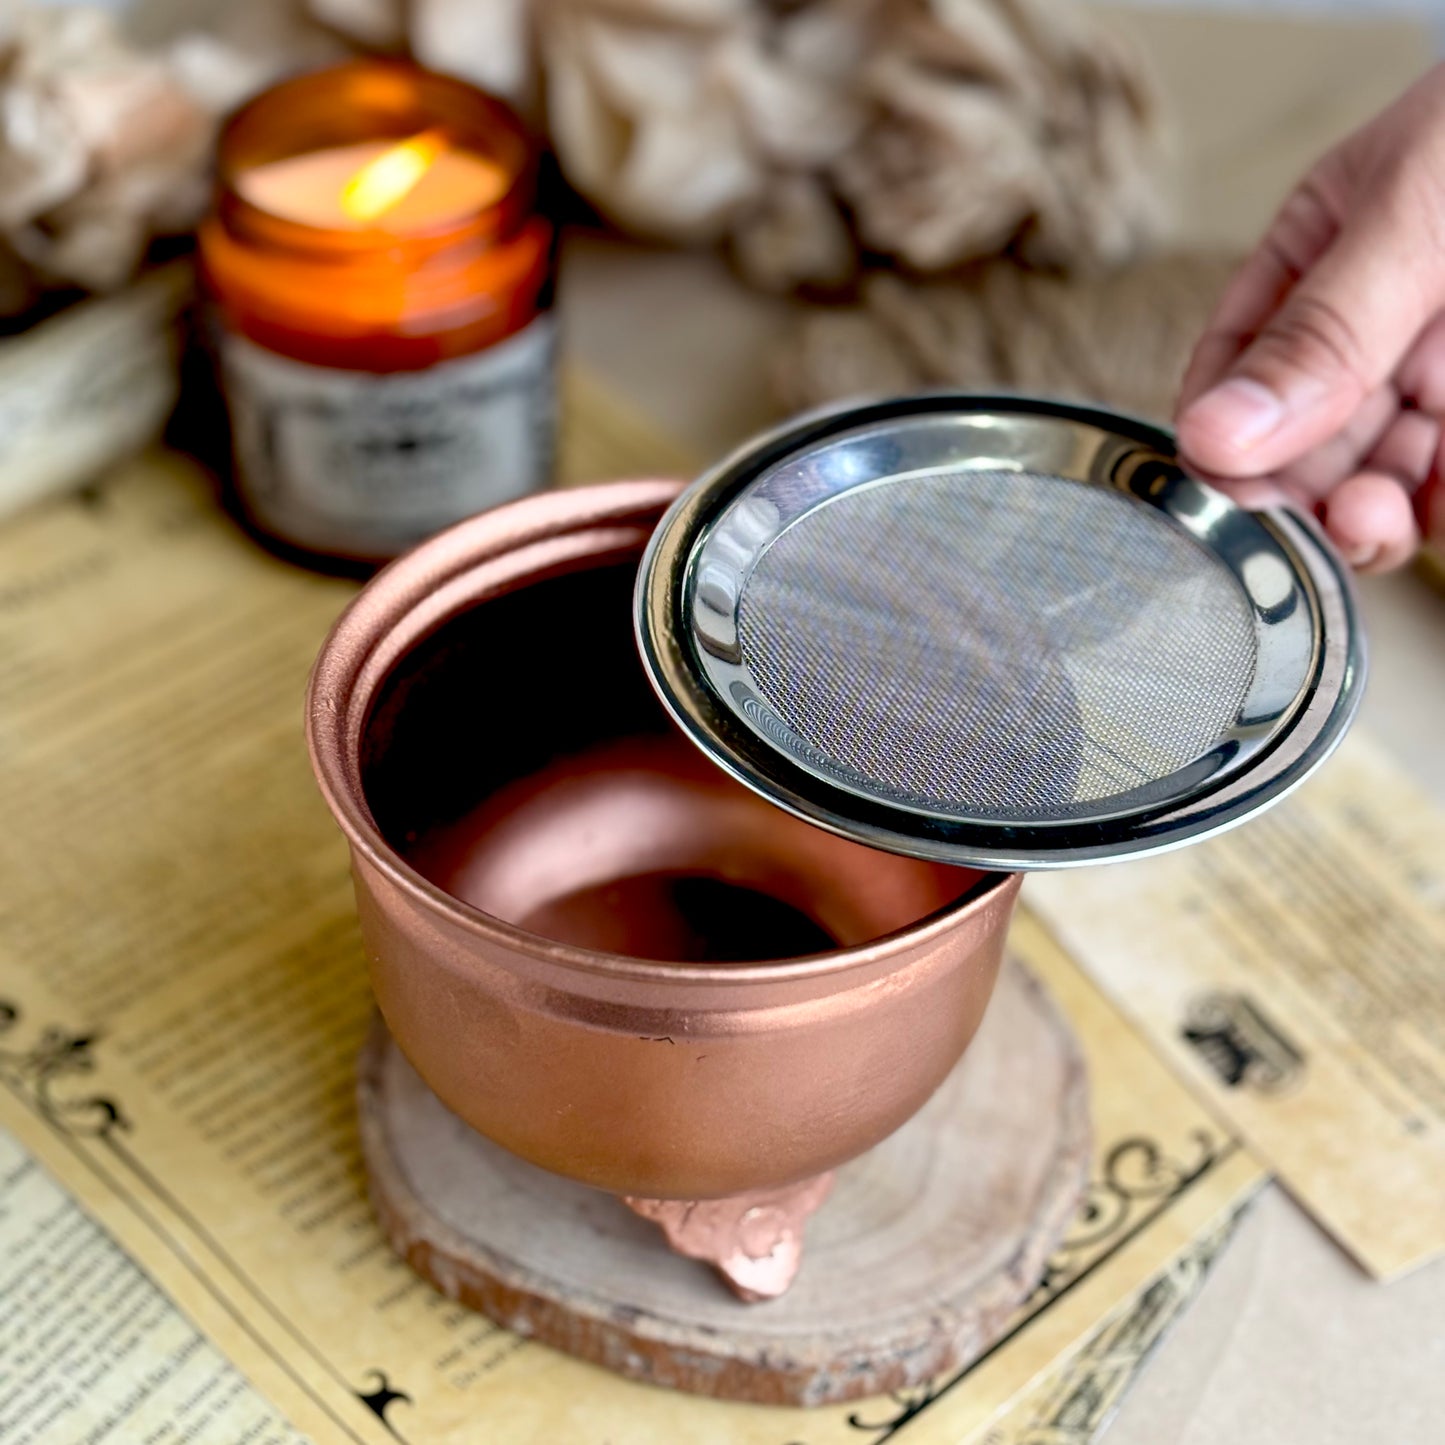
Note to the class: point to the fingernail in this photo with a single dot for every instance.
(1362, 555)
(1240, 410)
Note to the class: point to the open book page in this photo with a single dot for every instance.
(1294, 971)
(182, 995)
(90, 1348)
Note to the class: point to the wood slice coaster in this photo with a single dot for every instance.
(912, 1267)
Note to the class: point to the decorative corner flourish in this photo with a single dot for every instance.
(1136, 1176)
(381, 1397)
(1136, 1179)
(908, 1403)
(41, 1072)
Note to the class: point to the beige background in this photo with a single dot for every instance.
(1289, 1342)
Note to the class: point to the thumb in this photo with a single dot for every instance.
(1338, 335)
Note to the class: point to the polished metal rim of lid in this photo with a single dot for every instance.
(996, 631)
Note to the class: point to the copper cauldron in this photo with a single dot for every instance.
(598, 950)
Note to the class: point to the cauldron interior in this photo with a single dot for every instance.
(517, 758)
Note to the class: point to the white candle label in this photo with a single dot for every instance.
(365, 464)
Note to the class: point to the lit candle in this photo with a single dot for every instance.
(381, 283)
(398, 187)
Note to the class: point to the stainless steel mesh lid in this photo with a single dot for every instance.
(996, 631)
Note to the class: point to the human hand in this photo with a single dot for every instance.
(1321, 374)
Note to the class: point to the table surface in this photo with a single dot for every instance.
(1289, 1342)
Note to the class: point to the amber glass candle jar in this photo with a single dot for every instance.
(379, 280)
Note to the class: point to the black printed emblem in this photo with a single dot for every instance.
(1245, 1048)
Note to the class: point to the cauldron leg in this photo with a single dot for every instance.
(753, 1240)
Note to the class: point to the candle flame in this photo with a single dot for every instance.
(381, 183)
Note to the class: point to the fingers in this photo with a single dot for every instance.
(1321, 375)
(1430, 498)
(1422, 382)
(1369, 516)
(1340, 333)
(1368, 478)
(1370, 519)
(1421, 378)
(1342, 455)
(1297, 238)
(1407, 449)
(1412, 451)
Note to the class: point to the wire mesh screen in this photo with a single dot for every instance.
(997, 644)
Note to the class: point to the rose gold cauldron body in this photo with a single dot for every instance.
(598, 950)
